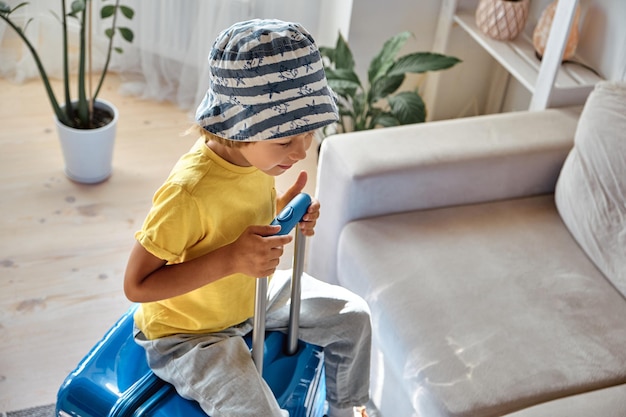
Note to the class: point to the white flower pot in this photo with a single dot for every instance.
(88, 153)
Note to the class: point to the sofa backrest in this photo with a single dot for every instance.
(591, 189)
(437, 164)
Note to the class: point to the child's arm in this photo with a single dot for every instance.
(310, 218)
(256, 253)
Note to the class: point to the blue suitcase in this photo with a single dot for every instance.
(114, 379)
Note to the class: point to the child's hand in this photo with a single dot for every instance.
(310, 218)
(257, 251)
(307, 224)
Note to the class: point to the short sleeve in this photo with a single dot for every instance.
(172, 225)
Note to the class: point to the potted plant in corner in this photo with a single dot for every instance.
(86, 125)
(378, 103)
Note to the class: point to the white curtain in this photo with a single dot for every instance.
(168, 57)
(43, 30)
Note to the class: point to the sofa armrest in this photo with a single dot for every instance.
(435, 164)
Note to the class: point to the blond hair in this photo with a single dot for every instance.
(198, 130)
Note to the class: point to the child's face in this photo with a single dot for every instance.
(276, 156)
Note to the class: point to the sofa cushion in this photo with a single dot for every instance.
(607, 402)
(485, 309)
(591, 190)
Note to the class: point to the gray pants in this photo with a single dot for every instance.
(217, 371)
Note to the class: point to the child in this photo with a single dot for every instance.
(207, 235)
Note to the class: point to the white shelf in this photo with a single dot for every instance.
(550, 82)
(572, 84)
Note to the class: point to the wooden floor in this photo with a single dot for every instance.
(64, 246)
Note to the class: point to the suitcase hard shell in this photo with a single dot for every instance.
(114, 379)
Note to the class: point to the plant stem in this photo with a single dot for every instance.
(44, 76)
(109, 50)
(83, 107)
(66, 71)
(90, 59)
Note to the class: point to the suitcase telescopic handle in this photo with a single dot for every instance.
(288, 218)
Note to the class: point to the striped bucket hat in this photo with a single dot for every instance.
(267, 81)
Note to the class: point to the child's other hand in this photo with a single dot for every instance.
(307, 224)
(257, 251)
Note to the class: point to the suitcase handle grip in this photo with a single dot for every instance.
(288, 218)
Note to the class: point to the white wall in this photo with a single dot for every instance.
(336, 18)
(374, 21)
(463, 88)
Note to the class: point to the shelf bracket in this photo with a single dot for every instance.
(551, 61)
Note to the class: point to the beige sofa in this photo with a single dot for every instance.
(491, 293)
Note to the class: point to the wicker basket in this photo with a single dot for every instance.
(502, 19)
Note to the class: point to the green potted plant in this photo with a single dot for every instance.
(377, 103)
(79, 120)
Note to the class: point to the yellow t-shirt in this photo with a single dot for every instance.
(205, 203)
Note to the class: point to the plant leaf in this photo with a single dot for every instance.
(343, 82)
(107, 11)
(343, 88)
(127, 34)
(342, 74)
(22, 4)
(327, 52)
(343, 55)
(4, 8)
(77, 7)
(56, 16)
(408, 107)
(385, 58)
(385, 119)
(108, 32)
(23, 30)
(419, 62)
(361, 111)
(384, 86)
(127, 11)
